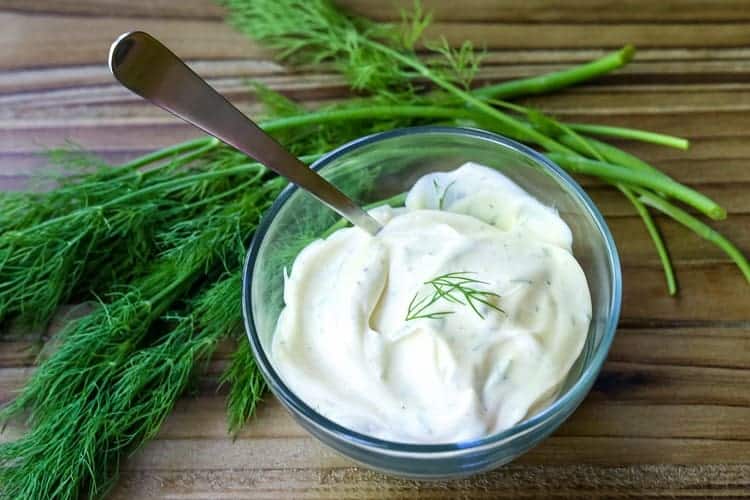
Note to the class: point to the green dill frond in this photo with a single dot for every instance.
(38, 268)
(222, 231)
(311, 32)
(41, 266)
(87, 235)
(457, 65)
(20, 209)
(316, 31)
(120, 395)
(101, 340)
(91, 347)
(116, 376)
(456, 288)
(276, 104)
(246, 386)
(413, 24)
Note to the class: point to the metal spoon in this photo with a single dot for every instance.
(145, 66)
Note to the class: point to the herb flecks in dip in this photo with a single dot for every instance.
(508, 310)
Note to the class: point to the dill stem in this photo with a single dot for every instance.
(169, 151)
(620, 132)
(573, 139)
(200, 146)
(630, 133)
(593, 147)
(584, 144)
(653, 231)
(171, 184)
(698, 227)
(368, 112)
(660, 183)
(617, 156)
(559, 79)
(183, 160)
(219, 196)
(191, 179)
(182, 182)
(511, 123)
(163, 299)
(193, 155)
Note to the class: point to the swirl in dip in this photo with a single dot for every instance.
(459, 319)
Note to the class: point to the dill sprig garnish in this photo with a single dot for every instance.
(456, 288)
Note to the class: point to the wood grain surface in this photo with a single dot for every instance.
(668, 416)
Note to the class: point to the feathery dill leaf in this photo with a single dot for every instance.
(101, 340)
(67, 166)
(94, 382)
(246, 386)
(76, 441)
(316, 31)
(276, 105)
(457, 65)
(103, 231)
(455, 288)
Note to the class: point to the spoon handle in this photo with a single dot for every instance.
(148, 68)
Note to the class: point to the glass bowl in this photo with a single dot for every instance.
(377, 167)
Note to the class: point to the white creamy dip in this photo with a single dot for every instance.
(343, 343)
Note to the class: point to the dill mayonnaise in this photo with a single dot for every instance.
(459, 319)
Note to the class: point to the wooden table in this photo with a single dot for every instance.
(669, 415)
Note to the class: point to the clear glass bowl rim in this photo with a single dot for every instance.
(574, 393)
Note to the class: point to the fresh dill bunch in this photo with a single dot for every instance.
(42, 265)
(78, 438)
(39, 268)
(311, 32)
(38, 203)
(19, 209)
(216, 238)
(45, 246)
(202, 243)
(223, 231)
(99, 230)
(96, 344)
(95, 382)
(369, 54)
(76, 179)
(316, 31)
